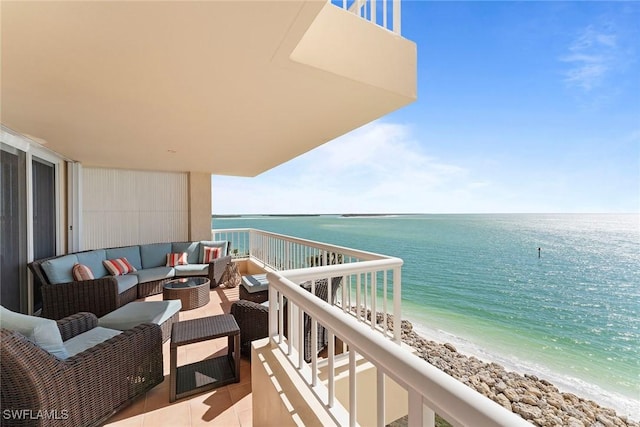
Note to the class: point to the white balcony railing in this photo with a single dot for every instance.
(386, 13)
(365, 279)
(371, 281)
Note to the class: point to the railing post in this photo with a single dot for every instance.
(419, 415)
(352, 388)
(380, 402)
(331, 382)
(358, 296)
(384, 13)
(373, 11)
(385, 315)
(273, 313)
(396, 17)
(300, 344)
(397, 306)
(374, 286)
(314, 351)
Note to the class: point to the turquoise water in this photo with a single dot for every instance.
(571, 315)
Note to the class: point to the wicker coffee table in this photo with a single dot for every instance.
(209, 373)
(193, 292)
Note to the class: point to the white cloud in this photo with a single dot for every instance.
(592, 55)
(377, 168)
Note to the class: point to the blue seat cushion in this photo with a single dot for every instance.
(58, 270)
(151, 274)
(191, 248)
(89, 339)
(131, 253)
(126, 282)
(154, 255)
(255, 283)
(191, 270)
(93, 260)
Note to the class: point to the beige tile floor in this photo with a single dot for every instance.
(226, 406)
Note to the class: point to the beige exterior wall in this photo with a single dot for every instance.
(373, 56)
(199, 206)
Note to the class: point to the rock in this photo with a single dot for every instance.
(484, 389)
(571, 398)
(535, 399)
(531, 377)
(487, 379)
(605, 420)
(450, 347)
(574, 422)
(527, 412)
(552, 420)
(529, 400)
(512, 395)
(555, 400)
(534, 391)
(503, 401)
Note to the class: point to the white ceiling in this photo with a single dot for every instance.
(185, 86)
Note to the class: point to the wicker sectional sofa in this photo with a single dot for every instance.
(63, 296)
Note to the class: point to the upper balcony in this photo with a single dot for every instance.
(219, 87)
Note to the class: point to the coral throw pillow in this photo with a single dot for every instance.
(81, 272)
(177, 259)
(118, 266)
(210, 254)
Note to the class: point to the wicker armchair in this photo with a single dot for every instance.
(38, 389)
(253, 319)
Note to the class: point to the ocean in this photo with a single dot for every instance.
(569, 312)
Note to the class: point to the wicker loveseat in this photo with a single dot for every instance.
(85, 389)
(63, 296)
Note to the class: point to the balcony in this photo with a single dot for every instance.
(365, 367)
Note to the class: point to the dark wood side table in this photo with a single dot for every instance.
(209, 373)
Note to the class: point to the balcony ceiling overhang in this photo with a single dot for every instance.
(189, 86)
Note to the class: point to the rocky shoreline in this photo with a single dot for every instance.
(534, 399)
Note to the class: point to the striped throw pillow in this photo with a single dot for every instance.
(210, 254)
(177, 259)
(118, 266)
(81, 272)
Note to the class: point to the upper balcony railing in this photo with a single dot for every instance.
(385, 13)
(365, 278)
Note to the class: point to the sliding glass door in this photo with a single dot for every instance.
(13, 229)
(44, 215)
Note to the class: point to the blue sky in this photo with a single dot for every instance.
(522, 107)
